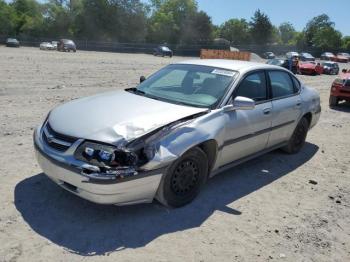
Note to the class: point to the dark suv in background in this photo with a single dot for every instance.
(163, 51)
(66, 45)
(12, 42)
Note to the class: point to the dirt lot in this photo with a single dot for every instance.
(263, 210)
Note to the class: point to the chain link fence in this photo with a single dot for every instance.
(179, 49)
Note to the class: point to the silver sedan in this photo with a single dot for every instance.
(184, 124)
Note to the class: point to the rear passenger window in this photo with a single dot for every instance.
(253, 87)
(281, 84)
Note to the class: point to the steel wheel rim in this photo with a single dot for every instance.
(185, 178)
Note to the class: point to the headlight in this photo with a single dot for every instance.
(106, 156)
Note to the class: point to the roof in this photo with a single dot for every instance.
(235, 65)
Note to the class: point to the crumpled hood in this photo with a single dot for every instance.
(115, 117)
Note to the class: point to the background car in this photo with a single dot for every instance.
(269, 55)
(328, 56)
(279, 62)
(310, 68)
(330, 68)
(306, 57)
(54, 44)
(163, 51)
(12, 42)
(46, 46)
(66, 45)
(344, 54)
(341, 58)
(340, 90)
(292, 55)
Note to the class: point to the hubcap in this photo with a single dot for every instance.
(185, 177)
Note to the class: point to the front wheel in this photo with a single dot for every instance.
(184, 179)
(297, 140)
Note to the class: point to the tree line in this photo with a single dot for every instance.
(159, 21)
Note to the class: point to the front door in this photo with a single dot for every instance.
(247, 131)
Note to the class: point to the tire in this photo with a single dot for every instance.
(184, 179)
(333, 101)
(297, 140)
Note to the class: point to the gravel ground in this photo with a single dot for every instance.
(263, 210)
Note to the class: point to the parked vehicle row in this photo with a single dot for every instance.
(340, 57)
(64, 45)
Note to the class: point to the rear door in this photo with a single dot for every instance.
(286, 105)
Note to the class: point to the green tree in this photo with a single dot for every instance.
(199, 29)
(29, 17)
(327, 38)
(275, 36)
(178, 21)
(261, 28)
(287, 32)
(314, 25)
(236, 31)
(7, 19)
(346, 42)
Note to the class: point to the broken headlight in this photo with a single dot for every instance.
(105, 156)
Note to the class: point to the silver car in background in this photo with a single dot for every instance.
(184, 124)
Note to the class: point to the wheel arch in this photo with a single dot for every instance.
(210, 148)
(308, 117)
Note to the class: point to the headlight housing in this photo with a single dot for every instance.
(105, 156)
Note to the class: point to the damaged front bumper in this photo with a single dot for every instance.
(121, 187)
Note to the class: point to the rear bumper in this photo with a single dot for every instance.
(139, 189)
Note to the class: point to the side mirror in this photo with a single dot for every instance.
(241, 103)
(142, 78)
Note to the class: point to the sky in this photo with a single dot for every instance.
(297, 12)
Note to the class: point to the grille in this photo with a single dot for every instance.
(55, 140)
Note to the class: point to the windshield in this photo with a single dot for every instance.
(193, 85)
(275, 62)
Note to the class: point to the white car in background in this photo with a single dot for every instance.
(47, 46)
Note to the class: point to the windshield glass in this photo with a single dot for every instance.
(275, 62)
(193, 85)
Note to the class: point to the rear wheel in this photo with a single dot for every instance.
(333, 101)
(297, 140)
(184, 179)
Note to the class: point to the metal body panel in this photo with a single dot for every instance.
(64, 171)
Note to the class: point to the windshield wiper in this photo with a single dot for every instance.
(136, 91)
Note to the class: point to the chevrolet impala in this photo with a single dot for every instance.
(182, 125)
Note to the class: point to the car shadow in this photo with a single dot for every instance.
(89, 229)
(342, 107)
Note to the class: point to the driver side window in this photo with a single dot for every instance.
(253, 87)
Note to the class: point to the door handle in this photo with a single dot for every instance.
(298, 104)
(267, 111)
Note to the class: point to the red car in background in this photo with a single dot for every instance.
(310, 68)
(342, 57)
(340, 90)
